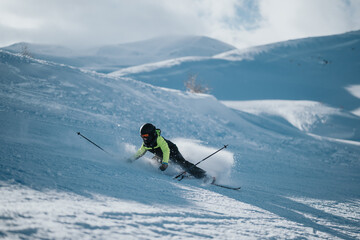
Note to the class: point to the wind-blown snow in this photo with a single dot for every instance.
(298, 166)
(153, 66)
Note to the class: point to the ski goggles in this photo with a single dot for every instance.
(145, 135)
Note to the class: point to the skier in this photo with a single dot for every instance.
(165, 150)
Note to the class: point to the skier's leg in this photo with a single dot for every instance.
(188, 166)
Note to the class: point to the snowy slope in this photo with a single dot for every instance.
(318, 69)
(112, 57)
(54, 184)
(308, 116)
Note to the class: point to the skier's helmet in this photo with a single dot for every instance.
(148, 132)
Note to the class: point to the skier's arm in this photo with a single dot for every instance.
(141, 152)
(165, 150)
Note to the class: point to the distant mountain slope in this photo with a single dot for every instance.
(319, 69)
(159, 49)
(113, 57)
(40, 50)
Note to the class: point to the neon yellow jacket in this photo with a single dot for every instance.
(161, 149)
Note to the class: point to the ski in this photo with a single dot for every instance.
(227, 187)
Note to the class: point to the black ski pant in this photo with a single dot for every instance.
(188, 166)
(176, 157)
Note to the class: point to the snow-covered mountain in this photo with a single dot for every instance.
(320, 69)
(297, 181)
(317, 74)
(112, 57)
(164, 48)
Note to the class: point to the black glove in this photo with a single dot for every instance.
(163, 167)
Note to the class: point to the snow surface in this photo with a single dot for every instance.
(307, 116)
(298, 181)
(355, 91)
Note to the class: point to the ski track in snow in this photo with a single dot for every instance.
(55, 185)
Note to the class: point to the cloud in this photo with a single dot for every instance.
(306, 17)
(281, 20)
(242, 23)
(92, 22)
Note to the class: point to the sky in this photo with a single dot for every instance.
(241, 23)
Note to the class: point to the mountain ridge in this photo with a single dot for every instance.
(111, 57)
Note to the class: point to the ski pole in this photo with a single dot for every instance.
(177, 176)
(78, 133)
